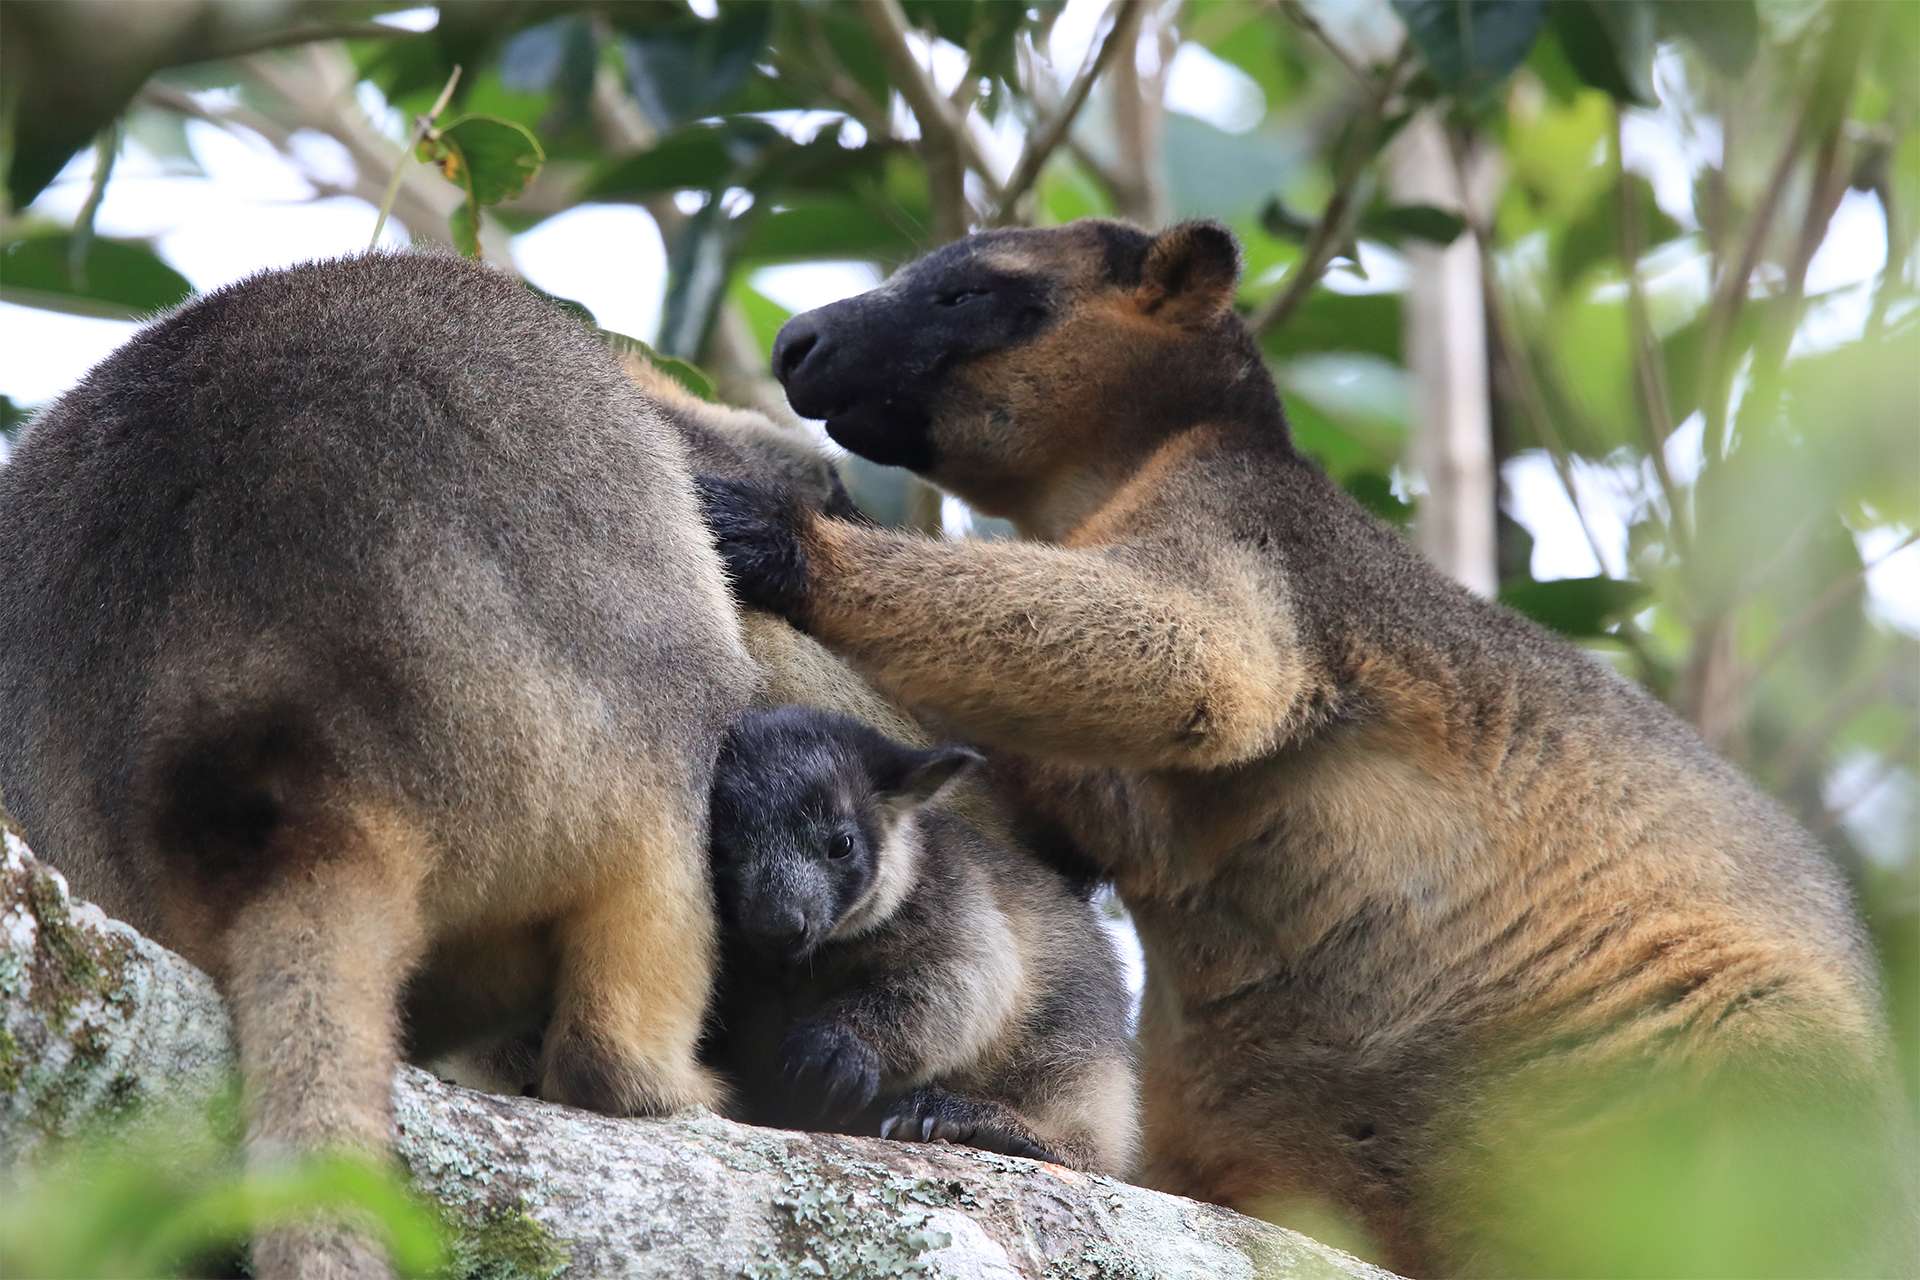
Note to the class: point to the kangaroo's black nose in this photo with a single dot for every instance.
(798, 339)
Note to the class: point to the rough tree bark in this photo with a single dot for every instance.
(96, 1020)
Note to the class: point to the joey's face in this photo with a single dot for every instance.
(995, 361)
(791, 856)
(807, 820)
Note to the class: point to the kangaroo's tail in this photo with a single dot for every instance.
(307, 887)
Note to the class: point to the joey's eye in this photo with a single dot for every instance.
(841, 846)
(960, 297)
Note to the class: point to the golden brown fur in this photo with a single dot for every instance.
(1403, 864)
(359, 622)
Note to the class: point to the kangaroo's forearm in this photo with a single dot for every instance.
(1049, 650)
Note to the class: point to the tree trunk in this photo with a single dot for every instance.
(1446, 341)
(96, 1019)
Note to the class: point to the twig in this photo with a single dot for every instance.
(1657, 418)
(1822, 605)
(1889, 764)
(939, 123)
(839, 82)
(293, 37)
(1342, 207)
(1788, 764)
(106, 148)
(1525, 392)
(421, 128)
(1731, 291)
(1297, 14)
(1042, 142)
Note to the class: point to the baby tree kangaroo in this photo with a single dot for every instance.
(360, 635)
(890, 967)
(1411, 874)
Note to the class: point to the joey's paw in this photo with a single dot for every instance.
(757, 532)
(833, 1071)
(583, 1071)
(934, 1115)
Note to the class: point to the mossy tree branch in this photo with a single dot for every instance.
(96, 1019)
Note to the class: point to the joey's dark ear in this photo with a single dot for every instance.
(1190, 271)
(928, 772)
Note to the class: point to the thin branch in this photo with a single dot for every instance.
(1731, 291)
(1790, 762)
(1823, 604)
(1042, 142)
(1890, 764)
(1525, 392)
(370, 149)
(1297, 14)
(1342, 208)
(421, 128)
(839, 83)
(1657, 417)
(940, 124)
(314, 33)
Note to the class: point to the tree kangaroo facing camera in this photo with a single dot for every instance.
(890, 966)
(1409, 871)
(359, 622)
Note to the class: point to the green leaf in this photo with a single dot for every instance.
(1724, 32)
(464, 225)
(557, 58)
(1374, 491)
(13, 418)
(1470, 45)
(578, 310)
(1578, 607)
(740, 152)
(684, 372)
(492, 159)
(1270, 53)
(1594, 235)
(1215, 174)
(1281, 222)
(827, 228)
(700, 157)
(1609, 44)
(679, 70)
(699, 262)
(764, 315)
(1068, 192)
(119, 279)
(1329, 321)
(1413, 222)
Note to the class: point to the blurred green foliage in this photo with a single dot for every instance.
(1662, 348)
(166, 1195)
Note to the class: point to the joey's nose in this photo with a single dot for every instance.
(783, 928)
(797, 342)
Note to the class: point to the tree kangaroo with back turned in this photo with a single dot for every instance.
(1409, 871)
(359, 635)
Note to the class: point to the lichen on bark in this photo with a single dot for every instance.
(96, 1020)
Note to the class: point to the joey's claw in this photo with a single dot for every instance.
(836, 1071)
(757, 532)
(931, 1114)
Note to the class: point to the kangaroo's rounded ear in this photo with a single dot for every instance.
(930, 772)
(1190, 272)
